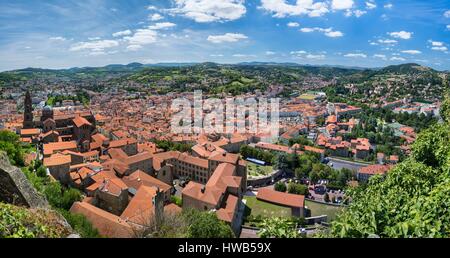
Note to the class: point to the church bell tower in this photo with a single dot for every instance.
(28, 114)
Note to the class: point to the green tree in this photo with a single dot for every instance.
(445, 108)
(412, 200)
(41, 172)
(300, 189)
(80, 224)
(10, 143)
(280, 187)
(206, 225)
(274, 227)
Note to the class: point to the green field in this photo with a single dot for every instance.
(318, 209)
(265, 209)
(254, 170)
(307, 96)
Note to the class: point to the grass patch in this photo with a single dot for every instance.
(256, 207)
(318, 209)
(255, 170)
(307, 96)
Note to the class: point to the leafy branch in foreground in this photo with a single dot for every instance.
(412, 200)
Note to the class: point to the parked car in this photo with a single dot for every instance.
(320, 189)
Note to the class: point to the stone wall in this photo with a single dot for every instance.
(15, 187)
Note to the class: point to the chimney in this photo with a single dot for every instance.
(203, 189)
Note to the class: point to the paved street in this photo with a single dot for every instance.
(339, 164)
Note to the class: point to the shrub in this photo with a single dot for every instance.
(206, 225)
(176, 200)
(80, 224)
(280, 187)
(41, 172)
(294, 188)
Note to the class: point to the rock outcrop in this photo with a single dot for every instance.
(15, 187)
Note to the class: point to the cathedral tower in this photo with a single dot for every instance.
(28, 114)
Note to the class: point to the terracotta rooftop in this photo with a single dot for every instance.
(228, 211)
(224, 157)
(140, 209)
(79, 121)
(273, 147)
(107, 224)
(139, 178)
(50, 148)
(57, 160)
(284, 199)
(113, 186)
(222, 178)
(33, 131)
(375, 169)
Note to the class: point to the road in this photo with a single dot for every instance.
(339, 164)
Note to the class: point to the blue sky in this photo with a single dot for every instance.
(368, 33)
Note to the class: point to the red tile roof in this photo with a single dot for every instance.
(284, 199)
(108, 224)
(375, 169)
(79, 121)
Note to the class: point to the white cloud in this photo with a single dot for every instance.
(438, 46)
(97, 53)
(162, 25)
(342, 4)
(447, 14)
(395, 58)
(298, 53)
(142, 37)
(371, 5)
(293, 24)
(134, 47)
(388, 41)
(307, 30)
(388, 6)
(380, 56)
(228, 37)
(216, 55)
(270, 53)
(448, 27)
(281, 8)
(401, 34)
(329, 32)
(155, 17)
(122, 33)
(58, 38)
(210, 11)
(315, 57)
(152, 8)
(334, 34)
(356, 55)
(436, 43)
(94, 46)
(304, 54)
(243, 55)
(443, 49)
(356, 13)
(412, 52)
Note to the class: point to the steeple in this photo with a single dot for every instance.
(28, 114)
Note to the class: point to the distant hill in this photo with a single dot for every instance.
(407, 68)
(367, 84)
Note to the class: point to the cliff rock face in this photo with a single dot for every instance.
(15, 187)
